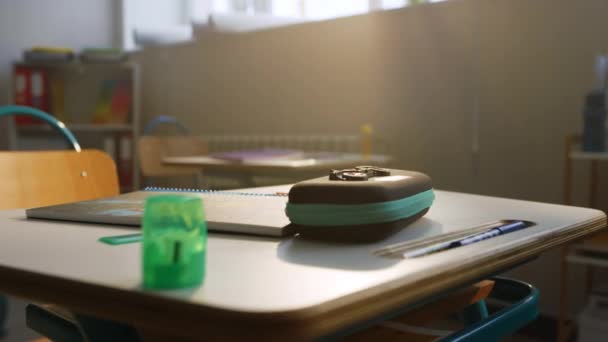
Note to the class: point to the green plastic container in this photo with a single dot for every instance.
(174, 243)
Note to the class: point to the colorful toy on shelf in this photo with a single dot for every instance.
(114, 103)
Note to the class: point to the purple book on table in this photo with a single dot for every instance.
(262, 154)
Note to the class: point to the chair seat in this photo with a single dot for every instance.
(479, 326)
(53, 322)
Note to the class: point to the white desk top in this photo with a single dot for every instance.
(253, 275)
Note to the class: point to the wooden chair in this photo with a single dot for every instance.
(31, 179)
(152, 150)
(39, 178)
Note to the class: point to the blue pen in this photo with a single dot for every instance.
(504, 229)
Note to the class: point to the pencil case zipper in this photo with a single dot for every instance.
(358, 214)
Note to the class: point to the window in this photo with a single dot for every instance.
(303, 9)
(175, 16)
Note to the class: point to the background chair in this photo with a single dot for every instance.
(153, 148)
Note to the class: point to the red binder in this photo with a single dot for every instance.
(22, 93)
(31, 89)
(39, 81)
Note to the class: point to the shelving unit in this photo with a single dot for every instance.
(586, 253)
(581, 155)
(81, 85)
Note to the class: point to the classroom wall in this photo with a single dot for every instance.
(75, 24)
(330, 77)
(536, 61)
(421, 76)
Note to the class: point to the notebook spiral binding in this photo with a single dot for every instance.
(214, 192)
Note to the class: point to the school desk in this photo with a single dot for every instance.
(260, 288)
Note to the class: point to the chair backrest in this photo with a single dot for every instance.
(152, 149)
(40, 178)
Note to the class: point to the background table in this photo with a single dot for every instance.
(309, 166)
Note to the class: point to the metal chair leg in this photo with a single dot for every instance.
(475, 313)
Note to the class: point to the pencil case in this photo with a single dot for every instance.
(362, 204)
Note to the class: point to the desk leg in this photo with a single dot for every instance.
(563, 300)
(567, 178)
(147, 335)
(3, 314)
(593, 184)
(563, 264)
(247, 181)
(589, 281)
(201, 182)
(101, 330)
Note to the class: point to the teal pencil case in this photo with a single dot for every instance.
(361, 204)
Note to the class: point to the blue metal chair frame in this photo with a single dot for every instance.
(38, 114)
(164, 119)
(69, 137)
(3, 314)
(479, 326)
(484, 327)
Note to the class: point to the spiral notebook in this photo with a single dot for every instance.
(225, 211)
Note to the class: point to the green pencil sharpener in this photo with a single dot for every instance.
(174, 242)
